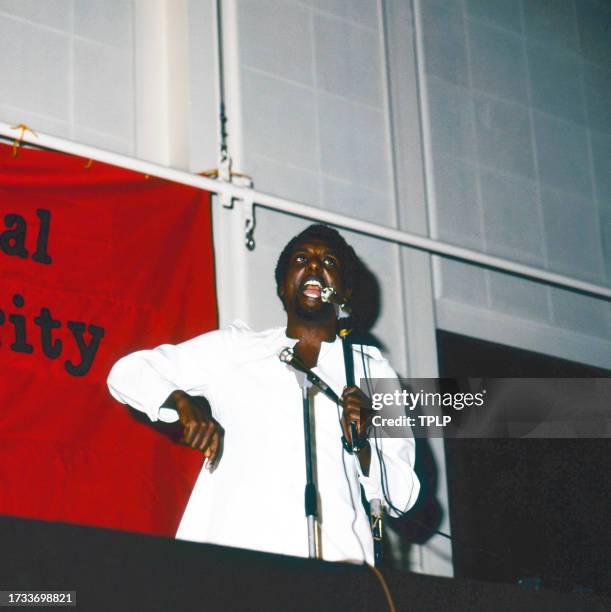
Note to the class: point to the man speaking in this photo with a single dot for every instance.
(250, 425)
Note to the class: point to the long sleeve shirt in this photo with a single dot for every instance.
(255, 497)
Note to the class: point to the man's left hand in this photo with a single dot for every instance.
(357, 410)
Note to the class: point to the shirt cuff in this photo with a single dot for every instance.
(168, 415)
(149, 402)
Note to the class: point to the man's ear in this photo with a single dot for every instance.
(280, 294)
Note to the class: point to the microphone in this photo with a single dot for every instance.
(287, 355)
(329, 295)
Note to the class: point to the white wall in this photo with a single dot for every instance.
(110, 73)
(519, 139)
(67, 69)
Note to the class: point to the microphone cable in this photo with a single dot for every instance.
(383, 473)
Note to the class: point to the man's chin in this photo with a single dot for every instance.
(313, 313)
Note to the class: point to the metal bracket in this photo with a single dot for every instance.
(248, 209)
(247, 205)
(224, 175)
(248, 214)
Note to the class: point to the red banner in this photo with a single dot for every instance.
(95, 262)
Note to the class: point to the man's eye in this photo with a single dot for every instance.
(300, 258)
(329, 261)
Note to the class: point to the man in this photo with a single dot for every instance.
(250, 428)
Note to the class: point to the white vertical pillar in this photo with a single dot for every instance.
(165, 122)
(434, 557)
(162, 73)
(230, 252)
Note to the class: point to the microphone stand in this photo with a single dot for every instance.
(344, 330)
(311, 500)
(307, 379)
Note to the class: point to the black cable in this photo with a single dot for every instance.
(221, 81)
(383, 473)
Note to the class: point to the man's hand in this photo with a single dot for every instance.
(358, 410)
(200, 430)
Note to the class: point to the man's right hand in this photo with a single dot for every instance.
(200, 430)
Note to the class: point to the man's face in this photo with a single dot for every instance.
(313, 265)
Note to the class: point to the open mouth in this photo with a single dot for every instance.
(312, 288)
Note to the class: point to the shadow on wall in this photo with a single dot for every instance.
(366, 306)
(422, 521)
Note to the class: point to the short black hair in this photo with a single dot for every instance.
(347, 256)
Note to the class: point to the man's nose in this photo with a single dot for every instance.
(314, 263)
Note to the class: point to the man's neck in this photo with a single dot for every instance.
(311, 334)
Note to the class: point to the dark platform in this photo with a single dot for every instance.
(112, 570)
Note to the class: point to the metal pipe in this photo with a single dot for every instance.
(223, 153)
(435, 247)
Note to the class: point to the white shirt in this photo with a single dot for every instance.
(255, 497)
